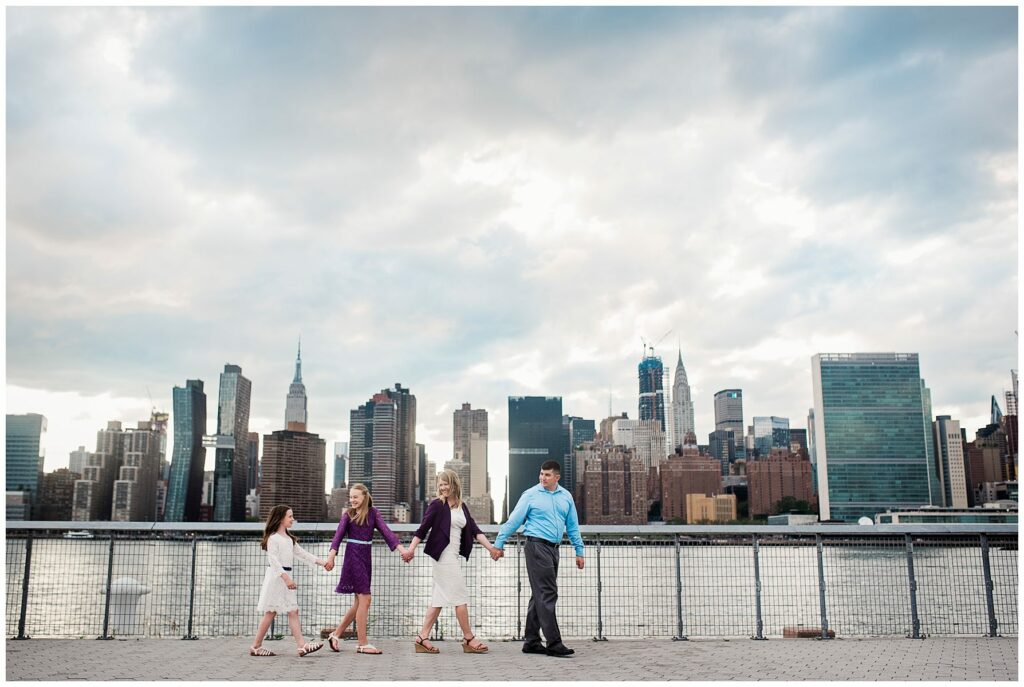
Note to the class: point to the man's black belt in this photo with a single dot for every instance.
(541, 540)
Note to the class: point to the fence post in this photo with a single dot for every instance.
(24, 589)
(519, 590)
(986, 567)
(680, 637)
(600, 625)
(914, 618)
(757, 589)
(191, 592)
(106, 604)
(821, 587)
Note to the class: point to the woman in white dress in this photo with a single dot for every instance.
(451, 534)
(278, 592)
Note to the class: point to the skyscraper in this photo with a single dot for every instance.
(645, 437)
(295, 407)
(613, 486)
(185, 485)
(682, 405)
(77, 459)
(1011, 396)
(722, 447)
(651, 373)
(686, 475)
(372, 459)
(56, 494)
(406, 456)
(579, 432)
(231, 469)
(253, 479)
(93, 498)
(729, 416)
(134, 492)
(469, 433)
(773, 478)
(770, 432)
(340, 462)
(952, 465)
(534, 436)
(25, 455)
(798, 437)
(869, 440)
(294, 466)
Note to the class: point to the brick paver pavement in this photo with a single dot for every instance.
(961, 658)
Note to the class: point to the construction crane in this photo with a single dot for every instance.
(651, 347)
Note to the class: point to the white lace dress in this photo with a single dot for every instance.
(281, 555)
(449, 585)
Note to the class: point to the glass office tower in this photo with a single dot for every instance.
(24, 459)
(534, 436)
(871, 447)
(651, 374)
(188, 459)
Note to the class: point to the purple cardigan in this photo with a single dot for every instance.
(438, 519)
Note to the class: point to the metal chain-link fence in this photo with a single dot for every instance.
(171, 581)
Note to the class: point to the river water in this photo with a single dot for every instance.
(867, 589)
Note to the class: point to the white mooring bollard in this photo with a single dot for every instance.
(125, 593)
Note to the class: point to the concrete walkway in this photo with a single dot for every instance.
(962, 658)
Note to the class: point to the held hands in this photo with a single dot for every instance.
(321, 563)
(402, 551)
(329, 565)
(496, 553)
(408, 554)
(579, 562)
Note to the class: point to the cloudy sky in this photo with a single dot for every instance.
(480, 203)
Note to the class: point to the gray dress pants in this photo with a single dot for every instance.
(542, 568)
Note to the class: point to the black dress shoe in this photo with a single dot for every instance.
(534, 648)
(560, 650)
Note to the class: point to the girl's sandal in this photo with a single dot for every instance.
(368, 649)
(422, 648)
(260, 651)
(467, 647)
(332, 641)
(310, 647)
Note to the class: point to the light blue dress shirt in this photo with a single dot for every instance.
(547, 514)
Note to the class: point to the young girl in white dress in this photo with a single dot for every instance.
(452, 532)
(278, 592)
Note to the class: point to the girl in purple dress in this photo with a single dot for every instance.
(358, 523)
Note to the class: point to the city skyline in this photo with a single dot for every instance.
(521, 234)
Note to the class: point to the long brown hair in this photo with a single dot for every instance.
(359, 516)
(274, 521)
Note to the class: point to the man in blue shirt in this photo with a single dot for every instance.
(548, 511)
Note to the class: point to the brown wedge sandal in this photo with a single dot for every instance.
(332, 641)
(260, 651)
(467, 647)
(310, 647)
(422, 648)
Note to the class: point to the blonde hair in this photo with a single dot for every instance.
(454, 486)
(359, 516)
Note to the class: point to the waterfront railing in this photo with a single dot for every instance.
(189, 580)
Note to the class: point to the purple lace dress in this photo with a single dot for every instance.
(357, 567)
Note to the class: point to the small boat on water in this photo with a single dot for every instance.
(78, 534)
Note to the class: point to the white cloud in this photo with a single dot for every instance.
(479, 204)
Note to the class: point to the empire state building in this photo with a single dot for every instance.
(295, 407)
